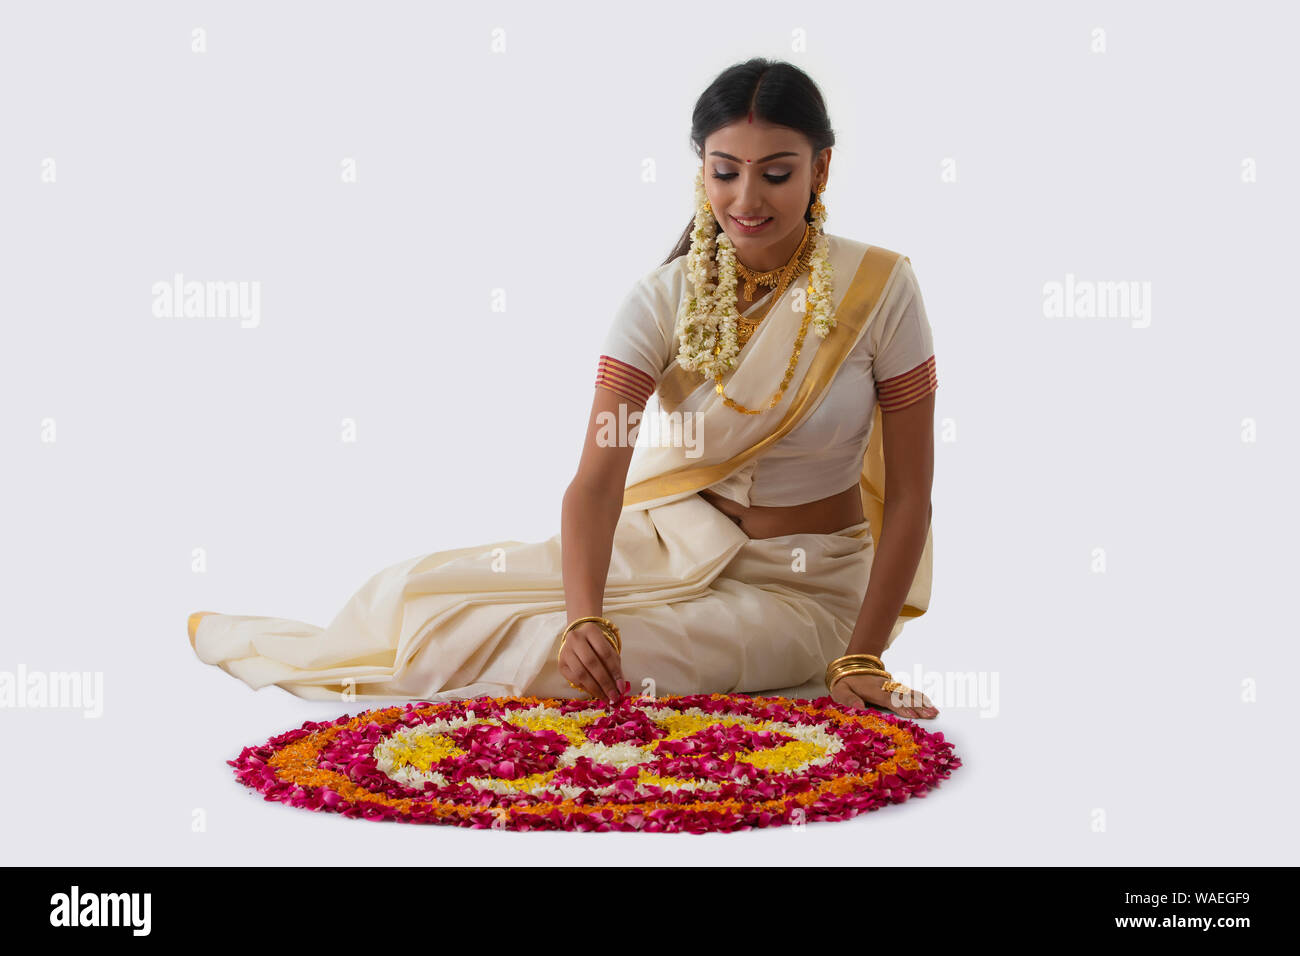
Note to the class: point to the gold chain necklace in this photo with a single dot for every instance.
(785, 275)
(746, 325)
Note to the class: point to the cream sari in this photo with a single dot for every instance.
(702, 607)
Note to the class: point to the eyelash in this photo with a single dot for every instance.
(775, 180)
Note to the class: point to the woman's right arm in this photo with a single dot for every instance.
(592, 505)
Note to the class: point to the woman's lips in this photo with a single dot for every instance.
(750, 229)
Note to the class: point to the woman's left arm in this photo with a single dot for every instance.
(907, 439)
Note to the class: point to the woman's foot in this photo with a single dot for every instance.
(194, 624)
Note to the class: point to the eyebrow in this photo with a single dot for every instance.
(763, 160)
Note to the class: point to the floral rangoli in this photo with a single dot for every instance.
(702, 763)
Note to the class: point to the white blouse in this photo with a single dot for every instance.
(893, 364)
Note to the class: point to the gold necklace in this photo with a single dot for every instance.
(773, 276)
(787, 274)
(759, 278)
(802, 258)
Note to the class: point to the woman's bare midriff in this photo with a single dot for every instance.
(824, 516)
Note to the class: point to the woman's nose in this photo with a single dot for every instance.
(751, 195)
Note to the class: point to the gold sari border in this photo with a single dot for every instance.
(860, 303)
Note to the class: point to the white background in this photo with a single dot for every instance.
(1120, 695)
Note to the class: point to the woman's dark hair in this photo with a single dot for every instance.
(778, 93)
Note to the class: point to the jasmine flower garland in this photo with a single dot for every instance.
(707, 318)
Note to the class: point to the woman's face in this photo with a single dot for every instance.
(759, 171)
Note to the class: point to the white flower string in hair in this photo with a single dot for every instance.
(707, 320)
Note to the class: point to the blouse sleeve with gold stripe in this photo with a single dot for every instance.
(637, 348)
(903, 349)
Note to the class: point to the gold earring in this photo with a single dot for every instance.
(818, 210)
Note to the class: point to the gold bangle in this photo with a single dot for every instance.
(849, 664)
(856, 660)
(608, 627)
(604, 622)
(861, 659)
(858, 668)
(869, 660)
(840, 672)
(835, 674)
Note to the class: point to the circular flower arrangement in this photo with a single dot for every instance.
(698, 764)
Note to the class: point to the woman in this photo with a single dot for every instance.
(736, 554)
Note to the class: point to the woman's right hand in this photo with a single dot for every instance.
(589, 660)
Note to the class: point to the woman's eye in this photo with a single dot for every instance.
(768, 176)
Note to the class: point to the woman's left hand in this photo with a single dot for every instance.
(858, 690)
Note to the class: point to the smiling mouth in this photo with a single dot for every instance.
(751, 222)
